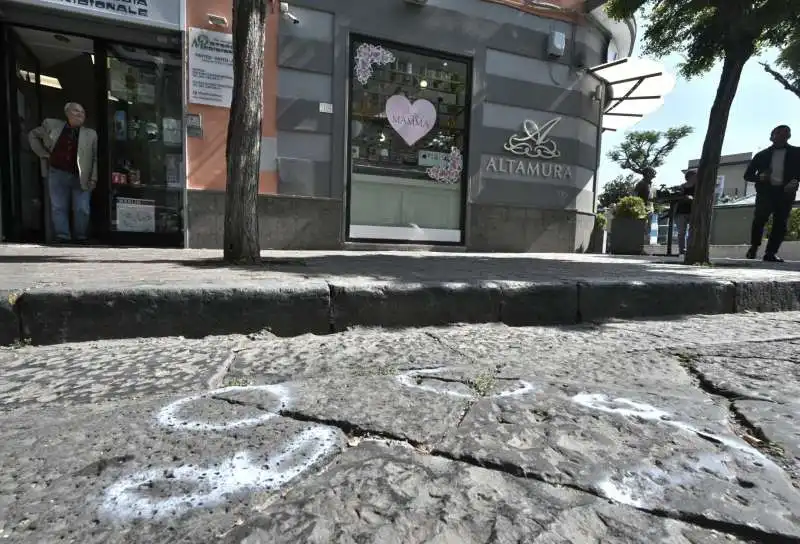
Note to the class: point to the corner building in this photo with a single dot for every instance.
(470, 123)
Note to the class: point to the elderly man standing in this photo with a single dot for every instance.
(68, 151)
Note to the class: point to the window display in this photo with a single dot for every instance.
(408, 126)
(146, 147)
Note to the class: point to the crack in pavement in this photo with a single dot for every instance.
(740, 424)
(357, 431)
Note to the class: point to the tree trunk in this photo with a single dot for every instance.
(697, 250)
(243, 151)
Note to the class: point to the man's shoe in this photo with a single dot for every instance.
(751, 253)
(772, 258)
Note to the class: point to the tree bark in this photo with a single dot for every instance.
(697, 249)
(781, 79)
(243, 149)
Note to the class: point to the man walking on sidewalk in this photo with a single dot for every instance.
(68, 152)
(775, 172)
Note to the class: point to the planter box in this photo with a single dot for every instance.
(597, 242)
(628, 236)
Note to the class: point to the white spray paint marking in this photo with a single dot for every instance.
(168, 415)
(629, 408)
(645, 486)
(127, 499)
(410, 379)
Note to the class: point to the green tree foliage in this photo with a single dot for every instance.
(616, 189)
(706, 32)
(643, 149)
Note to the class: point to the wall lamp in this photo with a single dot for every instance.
(217, 20)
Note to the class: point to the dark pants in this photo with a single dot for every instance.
(774, 201)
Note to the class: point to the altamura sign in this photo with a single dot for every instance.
(527, 168)
(532, 147)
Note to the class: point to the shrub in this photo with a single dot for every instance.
(792, 228)
(632, 207)
(600, 221)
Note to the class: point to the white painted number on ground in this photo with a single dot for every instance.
(135, 496)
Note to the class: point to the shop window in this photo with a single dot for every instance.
(146, 140)
(409, 115)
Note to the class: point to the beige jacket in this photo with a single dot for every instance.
(44, 138)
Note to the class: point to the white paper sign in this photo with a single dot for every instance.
(136, 215)
(210, 68)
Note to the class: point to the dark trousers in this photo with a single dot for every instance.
(774, 201)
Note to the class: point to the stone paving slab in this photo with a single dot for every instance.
(54, 295)
(427, 435)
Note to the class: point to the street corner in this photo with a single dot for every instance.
(356, 352)
(106, 370)
(139, 472)
(382, 491)
(647, 450)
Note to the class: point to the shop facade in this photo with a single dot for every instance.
(471, 123)
(122, 61)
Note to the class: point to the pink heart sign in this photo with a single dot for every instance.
(410, 121)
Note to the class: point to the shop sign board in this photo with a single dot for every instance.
(534, 153)
(210, 68)
(164, 13)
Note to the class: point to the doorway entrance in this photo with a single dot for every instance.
(46, 70)
(409, 123)
(133, 99)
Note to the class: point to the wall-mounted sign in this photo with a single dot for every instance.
(533, 142)
(210, 68)
(526, 168)
(411, 121)
(166, 13)
(194, 125)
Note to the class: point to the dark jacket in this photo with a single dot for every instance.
(684, 207)
(762, 162)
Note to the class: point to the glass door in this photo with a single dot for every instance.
(409, 119)
(145, 146)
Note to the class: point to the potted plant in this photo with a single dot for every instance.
(629, 227)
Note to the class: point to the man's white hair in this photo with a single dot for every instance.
(70, 105)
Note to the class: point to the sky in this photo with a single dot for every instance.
(761, 104)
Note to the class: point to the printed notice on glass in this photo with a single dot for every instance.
(210, 68)
(136, 215)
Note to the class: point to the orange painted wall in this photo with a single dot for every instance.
(205, 164)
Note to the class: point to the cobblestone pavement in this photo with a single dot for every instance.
(27, 267)
(677, 431)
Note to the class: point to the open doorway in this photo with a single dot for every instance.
(51, 69)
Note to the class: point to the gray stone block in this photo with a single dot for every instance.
(9, 324)
(528, 303)
(54, 316)
(604, 299)
(413, 305)
(767, 296)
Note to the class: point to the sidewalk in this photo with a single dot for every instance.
(52, 295)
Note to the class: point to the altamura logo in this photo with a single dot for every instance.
(138, 8)
(531, 143)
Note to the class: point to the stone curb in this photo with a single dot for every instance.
(50, 316)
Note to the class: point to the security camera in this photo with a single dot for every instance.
(288, 15)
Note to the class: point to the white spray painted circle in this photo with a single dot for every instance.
(125, 499)
(409, 379)
(168, 417)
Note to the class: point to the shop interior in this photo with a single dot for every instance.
(409, 115)
(132, 97)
